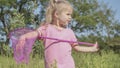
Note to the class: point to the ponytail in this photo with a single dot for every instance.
(49, 11)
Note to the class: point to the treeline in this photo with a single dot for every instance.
(92, 21)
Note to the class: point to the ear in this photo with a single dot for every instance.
(56, 14)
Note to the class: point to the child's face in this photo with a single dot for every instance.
(65, 17)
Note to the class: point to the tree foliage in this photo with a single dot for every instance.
(91, 20)
(94, 19)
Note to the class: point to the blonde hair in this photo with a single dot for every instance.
(56, 6)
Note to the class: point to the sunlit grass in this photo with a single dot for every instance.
(95, 60)
(8, 62)
(82, 60)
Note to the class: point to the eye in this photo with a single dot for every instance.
(68, 14)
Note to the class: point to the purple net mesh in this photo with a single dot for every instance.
(21, 55)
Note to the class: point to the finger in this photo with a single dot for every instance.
(96, 45)
(19, 45)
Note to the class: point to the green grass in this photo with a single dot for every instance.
(95, 60)
(8, 62)
(82, 60)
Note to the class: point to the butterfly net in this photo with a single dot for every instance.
(21, 54)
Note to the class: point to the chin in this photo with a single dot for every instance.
(65, 25)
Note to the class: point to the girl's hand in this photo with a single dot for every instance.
(95, 47)
(21, 43)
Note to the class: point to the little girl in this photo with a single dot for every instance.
(57, 53)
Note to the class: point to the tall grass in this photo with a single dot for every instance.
(97, 60)
(82, 60)
(8, 62)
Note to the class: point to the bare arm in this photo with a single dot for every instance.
(22, 38)
(86, 49)
(32, 34)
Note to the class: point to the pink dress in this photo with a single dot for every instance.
(57, 53)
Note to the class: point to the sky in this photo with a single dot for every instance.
(114, 4)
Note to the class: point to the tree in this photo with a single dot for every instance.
(17, 13)
(91, 18)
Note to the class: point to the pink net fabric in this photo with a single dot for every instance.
(22, 54)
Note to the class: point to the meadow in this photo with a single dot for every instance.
(102, 59)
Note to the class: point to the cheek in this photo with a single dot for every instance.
(62, 18)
